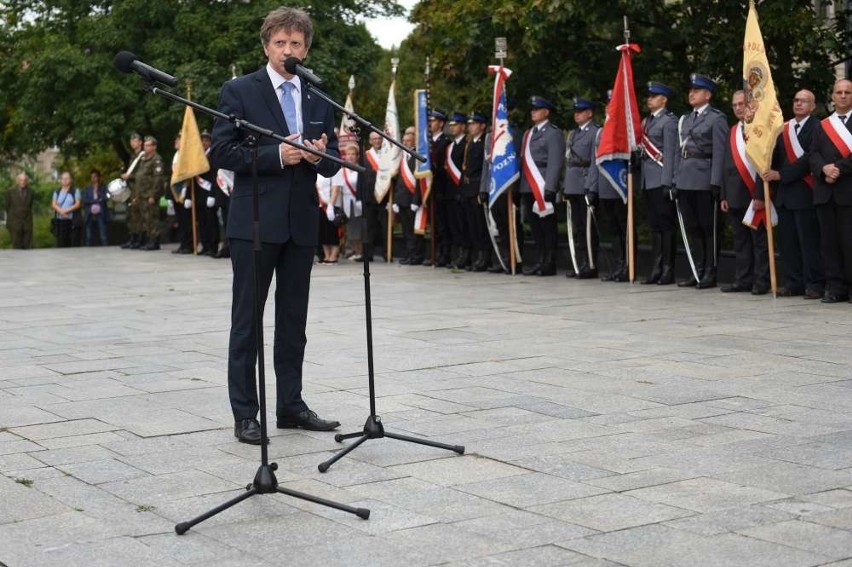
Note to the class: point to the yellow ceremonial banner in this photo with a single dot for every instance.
(191, 159)
(763, 114)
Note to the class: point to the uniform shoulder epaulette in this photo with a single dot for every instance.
(715, 110)
(670, 114)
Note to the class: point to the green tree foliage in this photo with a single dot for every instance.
(58, 84)
(565, 48)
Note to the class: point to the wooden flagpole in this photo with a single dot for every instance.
(631, 245)
(770, 239)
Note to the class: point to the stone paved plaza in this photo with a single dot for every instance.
(604, 424)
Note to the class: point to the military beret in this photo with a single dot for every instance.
(660, 89)
(582, 104)
(438, 114)
(698, 81)
(539, 102)
(458, 118)
(477, 117)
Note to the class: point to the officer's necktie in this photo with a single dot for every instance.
(288, 105)
(842, 118)
(695, 116)
(796, 128)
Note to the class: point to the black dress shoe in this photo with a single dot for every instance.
(835, 298)
(223, 253)
(306, 420)
(533, 270)
(812, 294)
(787, 292)
(587, 274)
(734, 288)
(247, 431)
(759, 290)
(691, 282)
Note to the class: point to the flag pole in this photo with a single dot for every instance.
(394, 64)
(631, 250)
(192, 190)
(770, 239)
(429, 204)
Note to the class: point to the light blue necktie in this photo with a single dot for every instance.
(288, 105)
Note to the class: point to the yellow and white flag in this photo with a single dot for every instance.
(763, 115)
(346, 136)
(191, 160)
(389, 153)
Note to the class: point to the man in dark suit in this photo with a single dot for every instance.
(272, 98)
(741, 187)
(454, 166)
(474, 160)
(542, 152)
(439, 197)
(703, 133)
(831, 165)
(798, 227)
(19, 213)
(659, 142)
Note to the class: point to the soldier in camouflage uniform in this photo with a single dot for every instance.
(150, 185)
(134, 222)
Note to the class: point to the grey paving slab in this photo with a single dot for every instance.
(670, 433)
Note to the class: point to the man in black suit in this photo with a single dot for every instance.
(439, 197)
(831, 165)
(742, 187)
(272, 98)
(474, 159)
(798, 227)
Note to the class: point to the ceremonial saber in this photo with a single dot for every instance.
(570, 222)
(492, 232)
(686, 240)
(589, 248)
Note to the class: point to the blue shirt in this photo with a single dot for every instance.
(65, 200)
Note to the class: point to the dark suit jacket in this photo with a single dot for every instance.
(401, 195)
(823, 152)
(472, 172)
(792, 191)
(19, 207)
(733, 188)
(438, 153)
(288, 200)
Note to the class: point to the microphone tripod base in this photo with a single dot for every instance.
(373, 429)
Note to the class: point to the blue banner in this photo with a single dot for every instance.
(422, 121)
(505, 168)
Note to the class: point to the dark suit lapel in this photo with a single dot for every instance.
(270, 97)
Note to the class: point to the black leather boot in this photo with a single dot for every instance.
(667, 242)
(548, 265)
(657, 268)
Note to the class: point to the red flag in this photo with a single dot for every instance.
(622, 131)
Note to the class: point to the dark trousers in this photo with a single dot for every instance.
(477, 230)
(224, 207)
(613, 219)
(63, 233)
(798, 243)
(21, 233)
(208, 226)
(500, 213)
(458, 223)
(406, 221)
(96, 222)
(543, 229)
(291, 265)
(662, 216)
(835, 224)
(443, 236)
(375, 228)
(184, 224)
(579, 218)
(751, 251)
(699, 216)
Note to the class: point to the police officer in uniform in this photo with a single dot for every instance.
(542, 152)
(702, 135)
(453, 165)
(439, 191)
(660, 145)
(151, 184)
(474, 160)
(134, 222)
(579, 157)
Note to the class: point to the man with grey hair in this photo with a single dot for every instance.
(289, 223)
(19, 213)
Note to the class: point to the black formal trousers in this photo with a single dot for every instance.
(375, 228)
(406, 222)
(291, 264)
(698, 209)
(474, 220)
(835, 224)
(751, 251)
(458, 222)
(443, 236)
(543, 228)
(798, 243)
(613, 216)
(662, 216)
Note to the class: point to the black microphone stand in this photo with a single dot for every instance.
(373, 428)
(264, 480)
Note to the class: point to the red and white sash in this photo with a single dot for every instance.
(407, 176)
(373, 159)
(350, 181)
(838, 134)
(744, 166)
(652, 151)
(793, 148)
(451, 167)
(534, 177)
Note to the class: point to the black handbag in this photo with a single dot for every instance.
(340, 217)
(54, 226)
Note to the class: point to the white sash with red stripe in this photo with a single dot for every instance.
(350, 181)
(793, 148)
(408, 176)
(744, 166)
(838, 134)
(373, 159)
(534, 177)
(451, 167)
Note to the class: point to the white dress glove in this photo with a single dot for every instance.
(395, 208)
(359, 208)
(329, 213)
(414, 208)
(187, 204)
(211, 202)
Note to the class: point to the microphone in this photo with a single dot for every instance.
(293, 65)
(126, 62)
